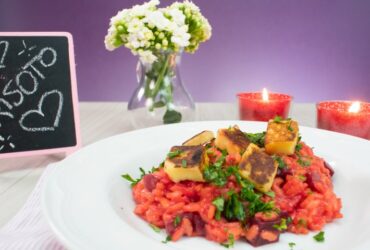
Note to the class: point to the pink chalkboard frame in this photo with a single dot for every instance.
(66, 150)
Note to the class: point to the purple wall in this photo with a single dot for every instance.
(312, 49)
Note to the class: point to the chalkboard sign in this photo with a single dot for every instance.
(38, 94)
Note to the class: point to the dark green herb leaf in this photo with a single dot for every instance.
(230, 242)
(234, 208)
(303, 163)
(281, 163)
(270, 193)
(219, 203)
(130, 179)
(256, 138)
(278, 119)
(177, 221)
(155, 228)
(320, 237)
(291, 245)
(159, 104)
(168, 238)
(289, 220)
(298, 147)
(171, 116)
(184, 163)
(282, 226)
(173, 154)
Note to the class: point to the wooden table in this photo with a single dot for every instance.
(100, 120)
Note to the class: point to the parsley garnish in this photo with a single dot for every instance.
(282, 226)
(168, 238)
(177, 221)
(234, 209)
(281, 163)
(303, 163)
(230, 241)
(320, 237)
(173, 154)
(298, 147)
(256, 138)
(278, 119)
(155, 228)
(184, 163)
(270, 193)
(219, 203)
(132, 180)
(290, 128)
(289, 220)
(291, 245)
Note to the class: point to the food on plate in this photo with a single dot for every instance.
(186, 163)
(281, 136)
(232, 188)
(200, 139)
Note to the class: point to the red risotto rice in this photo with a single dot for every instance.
(302, 194)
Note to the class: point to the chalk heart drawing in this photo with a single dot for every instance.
(39, 112)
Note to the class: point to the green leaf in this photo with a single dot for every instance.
(291, 245)
(177, 221)
(171, 116)
(155, 228)
(279, 160)
(303, 163)
(230, 241)
(282, 226)
(277, 119)
(270, 193)
(168, 239)
(320, 237)
(257, 138)
(184, 163)
(219, 203)
(173, 154)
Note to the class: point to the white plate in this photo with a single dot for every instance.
(89, 206)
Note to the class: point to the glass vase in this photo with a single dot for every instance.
(161, 97)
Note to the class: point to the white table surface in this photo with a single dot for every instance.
(18, 176)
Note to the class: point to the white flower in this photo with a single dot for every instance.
(142, 10)
(177, 16)
(147, 56)
(181, 36)
(157, 19)
(135, 25)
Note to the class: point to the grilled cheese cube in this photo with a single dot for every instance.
(281, 137)
(232, 139)
(200, 139)
(186, 164)
(258, 167)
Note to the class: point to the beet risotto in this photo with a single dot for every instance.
(237, 185)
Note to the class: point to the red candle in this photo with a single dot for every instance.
(345, 117)
(263, 106)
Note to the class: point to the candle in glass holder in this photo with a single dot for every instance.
(263, 106)
(345, 117)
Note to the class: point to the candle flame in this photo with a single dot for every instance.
(355, 107)
(265, 95)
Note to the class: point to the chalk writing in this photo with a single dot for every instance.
(39, 112)
(39, 58)
(6, 46)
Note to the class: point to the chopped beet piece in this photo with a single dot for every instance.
(150, 181)
(331, 170)
(197, 223)
(313, 178)
(282, 173)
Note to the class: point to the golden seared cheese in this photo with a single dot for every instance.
(232, 139)
(281, 137)
(200, 139)
(186, 163)
(258, 167)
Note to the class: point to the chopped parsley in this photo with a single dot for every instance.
(270, 193)
(289, 220)
(173, 154)
(132, 180)
(291, 245)
(303, 163)
(277, 119)
(155, 228)
(256, 138)
(282, 226)
(184, 163)
(177, 221)
(279, 160)
(219, 203)
(320, 237)
(230, 241)
(234, 209)
(168, 239)
(290, 128)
